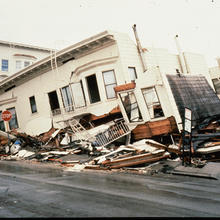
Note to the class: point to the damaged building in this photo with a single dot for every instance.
(108, 87)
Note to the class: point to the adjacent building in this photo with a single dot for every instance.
(16, 56)
(215, 76)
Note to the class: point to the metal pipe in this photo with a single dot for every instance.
(140, 49)
(182, 61)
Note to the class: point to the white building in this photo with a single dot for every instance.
(79, 81)
(16, 56)
(215, 76)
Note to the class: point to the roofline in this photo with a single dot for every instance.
(8, 43)
(58, 54)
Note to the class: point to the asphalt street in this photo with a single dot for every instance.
(33, 190)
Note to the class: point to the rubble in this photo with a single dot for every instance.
(76, 150)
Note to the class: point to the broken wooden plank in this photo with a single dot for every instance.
(133, 158)
(142, 161)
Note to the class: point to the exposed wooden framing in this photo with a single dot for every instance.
(155, 128)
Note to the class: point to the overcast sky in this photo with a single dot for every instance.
(60, 23)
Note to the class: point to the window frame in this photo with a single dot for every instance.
(3, 65)
(83, 94)
(129, 113)
(69, 106)
(158, 101)
(14, 116)
(135, 73)
(31, 104)
(106, 85)
(89, 91)
(21, 64)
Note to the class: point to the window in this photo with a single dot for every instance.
(18, 64)
(132, 73)
(13, 123)
(4, 65)
(33, 104)
(131, 107)
(26, 63)
(110, 83)
(67, 99)
(78, 94)
(54, 103)
(93, 88)
(2, 125)
(152, 102)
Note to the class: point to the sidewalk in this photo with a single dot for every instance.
(210, 170)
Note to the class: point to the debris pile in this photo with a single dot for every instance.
(106, 147)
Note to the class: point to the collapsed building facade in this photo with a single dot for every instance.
(108, 83)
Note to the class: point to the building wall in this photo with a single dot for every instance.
(112, 57)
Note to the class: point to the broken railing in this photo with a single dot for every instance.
(101, 135)
(114, 132)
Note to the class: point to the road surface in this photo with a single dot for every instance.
(29, 190)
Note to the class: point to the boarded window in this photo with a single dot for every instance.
(78, 95)
(54, 103)
(2, 125)
(33, 104)
(67, 98)
(93, 88)
(13, 123)
(131, 106)
(132, 73)
(110, 83)
(152, 102)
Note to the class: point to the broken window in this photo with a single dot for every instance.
(54, 103)
(131, 106)
(13, 123)
(132, 72)
(216, 83)
(78, 94)
(93, 88)
(33, 104)
(67, 99)
(110, 83)
(2, 125)
(152, 102)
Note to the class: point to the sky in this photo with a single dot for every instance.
(60, 23)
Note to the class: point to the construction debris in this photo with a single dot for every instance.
(77, 148)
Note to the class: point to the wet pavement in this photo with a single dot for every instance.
(41, 190)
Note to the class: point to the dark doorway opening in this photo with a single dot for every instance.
(93, 88)
(54, 103)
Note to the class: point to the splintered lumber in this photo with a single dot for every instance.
(136, 160)
(208, 150)
(170, 148)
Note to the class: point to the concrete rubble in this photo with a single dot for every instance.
(76, 152)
